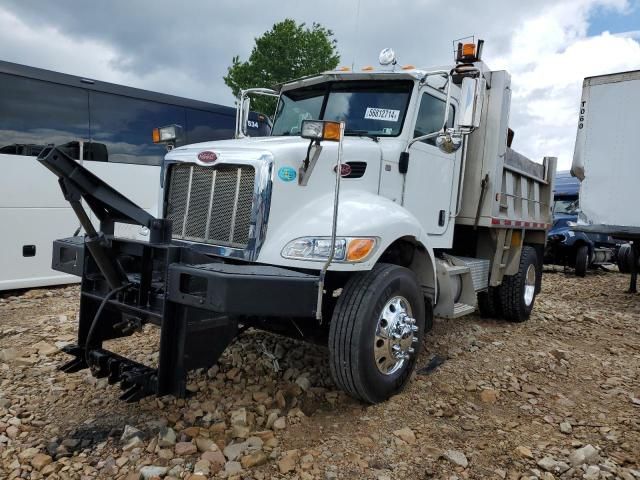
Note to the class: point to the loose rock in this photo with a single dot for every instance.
(456, 457)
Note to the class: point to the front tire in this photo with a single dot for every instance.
(582, 260)
(376, 331)
(518, 292)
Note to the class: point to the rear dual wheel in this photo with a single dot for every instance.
(518, 292)
(513, 300)
(624, 258)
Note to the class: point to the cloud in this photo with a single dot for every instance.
(548, 60)
(186, 51)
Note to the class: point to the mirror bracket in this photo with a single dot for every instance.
(242, 110)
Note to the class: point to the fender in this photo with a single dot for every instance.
(360, 213)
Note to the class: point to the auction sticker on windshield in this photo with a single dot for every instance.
(385, 114)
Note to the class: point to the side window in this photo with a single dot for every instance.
(430, 117)
(121, 128)
(203, 126)
(35, 113)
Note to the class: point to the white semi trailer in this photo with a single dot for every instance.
(607, 161)
(383, 197)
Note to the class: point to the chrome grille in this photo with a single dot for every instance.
(211, 205)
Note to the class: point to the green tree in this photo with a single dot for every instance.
(287, 51)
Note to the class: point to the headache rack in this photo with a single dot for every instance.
(199, 302)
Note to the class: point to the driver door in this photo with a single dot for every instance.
(429, 182)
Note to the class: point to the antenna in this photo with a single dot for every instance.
(353, 61)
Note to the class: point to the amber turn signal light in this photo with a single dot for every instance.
(359, 249)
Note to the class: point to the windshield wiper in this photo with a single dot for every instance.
(362, 133)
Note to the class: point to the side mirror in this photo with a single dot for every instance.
(246, 108)
(449, 141)
(242, 110)
(471, 100)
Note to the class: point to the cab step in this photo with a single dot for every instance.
(462, 309)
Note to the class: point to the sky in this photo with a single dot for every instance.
(184, 49)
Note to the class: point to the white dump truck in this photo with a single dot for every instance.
(383, 197)
(607, 162)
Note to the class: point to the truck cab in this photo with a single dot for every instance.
(383, 197)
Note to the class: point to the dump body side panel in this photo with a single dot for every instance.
(502, 187)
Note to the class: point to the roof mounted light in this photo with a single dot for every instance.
(468, 51)
(387, 57)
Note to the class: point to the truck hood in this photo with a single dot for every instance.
(277, 161)
(254, 148)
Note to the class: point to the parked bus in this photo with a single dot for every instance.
(106, 127)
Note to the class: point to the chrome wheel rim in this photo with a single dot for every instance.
(396, 333)
(530, 285)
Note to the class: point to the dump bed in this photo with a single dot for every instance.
(606, 158)
(501, 187)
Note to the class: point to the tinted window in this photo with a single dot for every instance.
(296, 106)
(203, 126)
(375, 108)
(124, 125)
(431, 116)
(34, 113)
(367, 107)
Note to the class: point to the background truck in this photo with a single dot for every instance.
(607, 163)
(568, 247)
(381, 198)
(106, 127)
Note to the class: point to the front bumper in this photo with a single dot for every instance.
(247, 290)
(198, 302)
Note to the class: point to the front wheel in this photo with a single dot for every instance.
(582, 260)
(376, 331)
(518, 292)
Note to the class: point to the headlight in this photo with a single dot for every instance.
(167, 134)
(347, 249)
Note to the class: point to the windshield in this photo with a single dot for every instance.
(566, 206)
(368, 107)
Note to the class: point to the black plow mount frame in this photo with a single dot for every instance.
(198, 301)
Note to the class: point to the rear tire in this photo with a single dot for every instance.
(582, 260)
(372, 307)
(518, 292)
(489, 303)
(624, 258)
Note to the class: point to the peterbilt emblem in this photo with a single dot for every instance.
(345, 169)
(207, 156)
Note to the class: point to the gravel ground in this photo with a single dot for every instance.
(556, 397)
